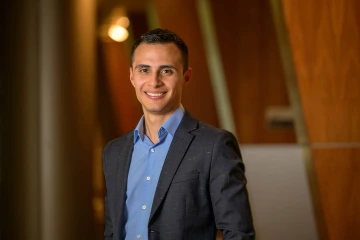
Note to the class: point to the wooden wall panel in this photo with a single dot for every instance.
(338, 177)
(124, 104)
(181, 17)
(253, 69)
(325, 39)
(325, 42)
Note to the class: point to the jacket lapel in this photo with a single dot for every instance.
(123, 166)
(177, 150)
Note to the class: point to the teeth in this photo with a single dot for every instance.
(155, 94)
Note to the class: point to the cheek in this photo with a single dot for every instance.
(179, 87)
(138, 85)
(138, 93)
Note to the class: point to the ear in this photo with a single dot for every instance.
(187, 75)
(131, 76)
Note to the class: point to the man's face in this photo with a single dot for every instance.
(158, 78)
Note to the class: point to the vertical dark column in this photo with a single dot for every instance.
(47, 119)
(67, 118)
(19, 88)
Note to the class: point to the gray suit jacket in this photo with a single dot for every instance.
(201, 188)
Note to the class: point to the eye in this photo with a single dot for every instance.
(166, 71)
(143, 70)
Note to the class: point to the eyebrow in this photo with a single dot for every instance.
(141, 66)
(148, 66)
(167, 66)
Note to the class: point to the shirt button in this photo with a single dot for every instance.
(138, 236)
(152, 150)
(148, 178)
(144, 207)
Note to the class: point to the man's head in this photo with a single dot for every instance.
(159, 72)
(163, 36)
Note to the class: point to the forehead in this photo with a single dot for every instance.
(157, 52)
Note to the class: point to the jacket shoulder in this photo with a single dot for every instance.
(118, 141)
(212, 131)
(114, 147)
(203, 131)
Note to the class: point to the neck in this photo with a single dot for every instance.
(153, 122)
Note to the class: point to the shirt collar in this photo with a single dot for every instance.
(139, 130)
(170, 126)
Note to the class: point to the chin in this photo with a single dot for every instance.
(158, 110)
(155, 110)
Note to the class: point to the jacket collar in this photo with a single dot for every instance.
(177, 150)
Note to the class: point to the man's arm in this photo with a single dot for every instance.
(228, 190)
(108, 232)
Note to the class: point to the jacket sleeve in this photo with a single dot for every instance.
(108, 232)
(229, 196)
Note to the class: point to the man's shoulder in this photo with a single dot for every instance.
(204, 127)
(200, 126)
(210, 128)
(119, 141)
(207, 132)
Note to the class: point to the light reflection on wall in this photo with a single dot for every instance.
(115, 26)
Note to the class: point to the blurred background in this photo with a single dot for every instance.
(282, 75)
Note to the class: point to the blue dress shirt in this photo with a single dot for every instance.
(145, 168)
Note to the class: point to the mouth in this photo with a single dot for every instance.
(155, 95)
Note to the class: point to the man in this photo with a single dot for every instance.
(173, 177)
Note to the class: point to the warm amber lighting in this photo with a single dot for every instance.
(123, 21)
(114, 27)
(118, 33)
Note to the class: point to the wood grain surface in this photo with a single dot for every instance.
(325, 39)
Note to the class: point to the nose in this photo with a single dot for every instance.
(155, 80)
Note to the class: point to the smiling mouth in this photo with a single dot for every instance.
(155, 94)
